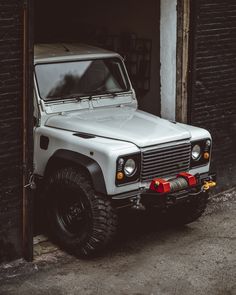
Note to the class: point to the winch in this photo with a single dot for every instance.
(182, 181)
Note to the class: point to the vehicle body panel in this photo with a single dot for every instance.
(119, 128)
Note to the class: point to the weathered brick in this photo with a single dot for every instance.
(10, 128)
(213, 85)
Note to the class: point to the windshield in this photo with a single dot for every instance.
(81, 78)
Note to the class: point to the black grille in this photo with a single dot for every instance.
(165, 162)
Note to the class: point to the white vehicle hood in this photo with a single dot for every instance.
(121, 123)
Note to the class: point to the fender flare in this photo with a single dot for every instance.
(92, 167)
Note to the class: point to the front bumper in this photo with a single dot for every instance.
(149, 198)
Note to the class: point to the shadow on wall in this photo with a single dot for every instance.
(7, 249)
(10, 207)
(224, 153)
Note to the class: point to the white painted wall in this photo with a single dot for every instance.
(168, 32)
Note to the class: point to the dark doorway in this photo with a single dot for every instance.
(128, 27)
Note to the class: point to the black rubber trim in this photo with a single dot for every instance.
(201, 162)
(89, 164)
(134, 178)
(44, 142)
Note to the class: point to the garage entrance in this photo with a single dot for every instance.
(128, 27)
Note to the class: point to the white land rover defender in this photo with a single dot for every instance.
(95, 152)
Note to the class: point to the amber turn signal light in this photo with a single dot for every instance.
(120, 175)
(206, 155)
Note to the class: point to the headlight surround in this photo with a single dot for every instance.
(128, 169)
(200, 152)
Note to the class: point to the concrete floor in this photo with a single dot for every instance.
(146, 259)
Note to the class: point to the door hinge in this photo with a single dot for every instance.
(31, 183)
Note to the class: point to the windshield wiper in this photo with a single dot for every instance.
(76, 96)
(114, 94)
(73, 96)
(96, 93)
(80, 96)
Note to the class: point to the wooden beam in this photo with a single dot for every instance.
(183, 27)
(27, 115)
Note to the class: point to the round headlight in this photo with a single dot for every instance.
(196, 152)
(130, 167)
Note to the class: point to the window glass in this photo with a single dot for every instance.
(80, 78)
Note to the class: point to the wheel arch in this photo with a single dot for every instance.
(62, 158)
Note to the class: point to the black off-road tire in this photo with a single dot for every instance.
(79, 220)
(187, 212)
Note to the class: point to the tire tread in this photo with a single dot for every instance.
(104, 217)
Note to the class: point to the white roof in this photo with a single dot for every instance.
(68, 51)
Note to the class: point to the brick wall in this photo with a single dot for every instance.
(213, 85)
(10, 128)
